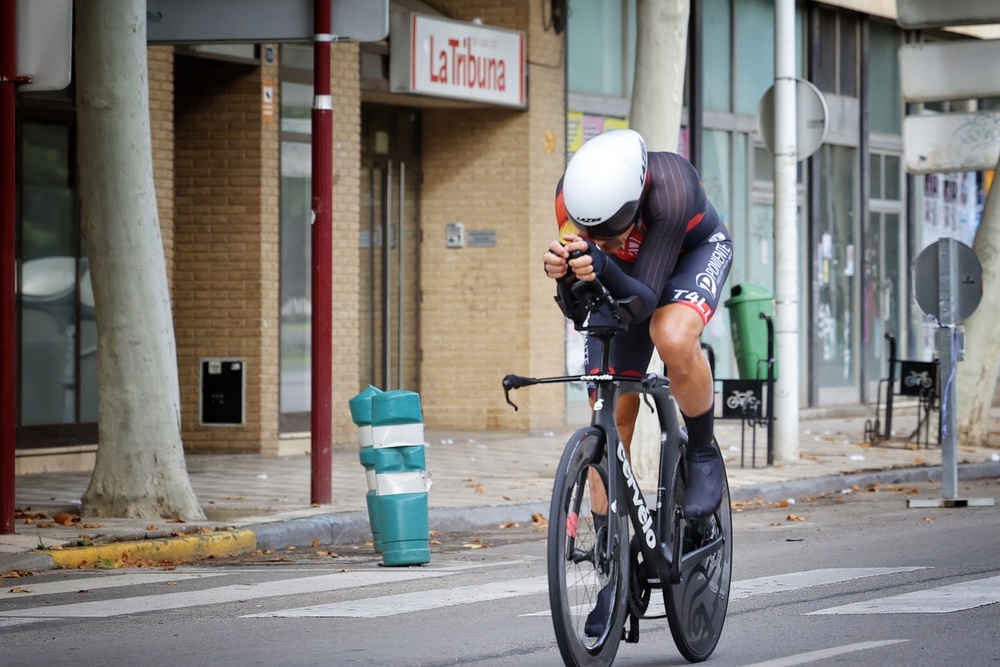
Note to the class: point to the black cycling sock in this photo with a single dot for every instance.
(700, 429)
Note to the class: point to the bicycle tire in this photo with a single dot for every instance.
(696, 606)
(576, 559)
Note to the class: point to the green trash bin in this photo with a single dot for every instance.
(749, 330)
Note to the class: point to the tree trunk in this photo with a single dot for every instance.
(657, 101)
(140, 470)
(660, 62)
(976, 376)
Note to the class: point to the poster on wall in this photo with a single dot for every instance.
(581, 127)
(950, 207)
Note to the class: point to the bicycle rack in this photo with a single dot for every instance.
(750, 401)
(916, 379)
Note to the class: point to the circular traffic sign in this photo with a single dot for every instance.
(812, 118)
(948, 280)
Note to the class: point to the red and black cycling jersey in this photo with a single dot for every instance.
(675, 216)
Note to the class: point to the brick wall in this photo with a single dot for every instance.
(346, 92)
(225, 244)
(489, 311)
(161, 116)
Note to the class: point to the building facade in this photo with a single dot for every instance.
(442, 208)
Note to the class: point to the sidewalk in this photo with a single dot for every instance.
(479, 479)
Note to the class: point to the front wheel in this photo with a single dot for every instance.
(696, 605)
(581, 564)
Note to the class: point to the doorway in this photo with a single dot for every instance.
(389, 248)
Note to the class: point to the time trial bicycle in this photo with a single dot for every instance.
(689, 560)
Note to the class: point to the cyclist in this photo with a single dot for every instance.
(648, 230)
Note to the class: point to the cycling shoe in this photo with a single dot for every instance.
(597, 619)
(705, 479)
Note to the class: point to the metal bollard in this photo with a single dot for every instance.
(361, 414)
(401, 477)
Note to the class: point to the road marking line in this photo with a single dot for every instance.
(95, 582)
(390, 605)
(781, 583)
(941, 600)
(797, 580)
(11, 622)
(814, 656)
(222, 594)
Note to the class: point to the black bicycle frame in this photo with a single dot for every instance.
(660, 536)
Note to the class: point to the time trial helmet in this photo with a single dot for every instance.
(604, 182)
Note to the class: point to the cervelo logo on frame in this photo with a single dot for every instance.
(645, 518)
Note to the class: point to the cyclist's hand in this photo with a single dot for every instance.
(556, 258)
(582, 266)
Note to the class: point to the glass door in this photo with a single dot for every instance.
(880, 300)
(389, 248)
(836, 279)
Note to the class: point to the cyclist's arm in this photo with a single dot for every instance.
(620, 284)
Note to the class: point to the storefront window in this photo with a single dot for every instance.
(601, 47)
(58, 333)
(753, 46)
(716, 54)
(296, 258)
(885, 110)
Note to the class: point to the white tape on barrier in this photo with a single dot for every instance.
(395, 483)
(370, 478)
(365, 436)
(398, 435)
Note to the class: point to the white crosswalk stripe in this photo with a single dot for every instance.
(940, 600)
(797, 580)
(96, 582)
(221, 594)
(389, 605)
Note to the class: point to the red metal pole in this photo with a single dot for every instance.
(8, 166)
(322, 260)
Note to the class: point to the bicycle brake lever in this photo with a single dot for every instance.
(645, 399)
(506, 395)
(515, 382)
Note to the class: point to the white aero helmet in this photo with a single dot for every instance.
(604, 182)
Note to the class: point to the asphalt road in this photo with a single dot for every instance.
(854, 579)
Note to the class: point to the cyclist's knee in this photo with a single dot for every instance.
(680, 351)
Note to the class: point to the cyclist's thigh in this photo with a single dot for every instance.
(699, 275)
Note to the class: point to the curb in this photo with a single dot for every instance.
(353, 527)
(118, 554)
(776, 491)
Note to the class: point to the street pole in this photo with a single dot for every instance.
(786, 239)
(8, 338)
(322, 260)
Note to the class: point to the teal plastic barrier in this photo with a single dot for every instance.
(361, 414)
(401, 477)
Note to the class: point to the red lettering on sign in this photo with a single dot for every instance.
(458, 65)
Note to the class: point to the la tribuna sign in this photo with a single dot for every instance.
(462, 61)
